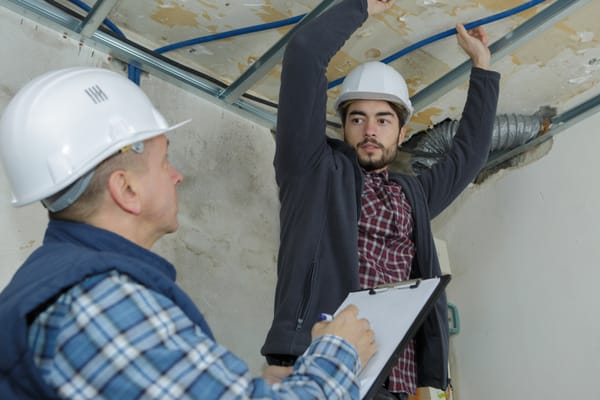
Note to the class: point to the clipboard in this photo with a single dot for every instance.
(410, 301)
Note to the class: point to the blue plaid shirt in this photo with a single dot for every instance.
(111, 338)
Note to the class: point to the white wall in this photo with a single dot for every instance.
(227, 243)
(525, 254)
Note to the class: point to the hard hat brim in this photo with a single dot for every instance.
(95, 161)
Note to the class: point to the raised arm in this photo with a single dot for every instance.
(471, 144)
(301, 117)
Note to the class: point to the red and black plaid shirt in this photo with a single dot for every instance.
(385, 254)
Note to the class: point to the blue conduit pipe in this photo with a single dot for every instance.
(450, 32)
(134, 72)
(107, 22)
(232, 33)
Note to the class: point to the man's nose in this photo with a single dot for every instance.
(370, 128)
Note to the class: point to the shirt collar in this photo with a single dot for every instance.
(377, 175)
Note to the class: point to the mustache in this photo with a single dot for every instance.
(370, 141)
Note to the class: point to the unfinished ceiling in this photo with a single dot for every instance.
(228, 51)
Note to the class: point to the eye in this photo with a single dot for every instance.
(356, 120)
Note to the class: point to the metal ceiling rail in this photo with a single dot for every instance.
(131, 53)
(95, 17)
(267, 61)
(229, 98)
(543, 20)
(40, 11)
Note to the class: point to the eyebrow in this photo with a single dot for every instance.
(379, 114)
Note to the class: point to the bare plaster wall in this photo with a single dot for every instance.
(225, 250)
(524, 253)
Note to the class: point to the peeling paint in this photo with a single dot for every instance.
(428, 2)
(210, 4)
(425, 117)
(212, 28)
(172, 14)
(566, 28)
(496, 5)
(373, 54)
(206, 16)
(340, 65)
(364, 32)
(585, 37)
(579, 80)
(395, 21)
(268, 13)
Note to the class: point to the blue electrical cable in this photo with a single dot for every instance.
(450, 32)
(106, 22)
(134, 72)
(232, 33)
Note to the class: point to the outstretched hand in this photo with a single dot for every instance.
(378, 6)
(475, 43)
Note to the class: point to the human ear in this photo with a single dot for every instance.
(402, 135)
(122, 189)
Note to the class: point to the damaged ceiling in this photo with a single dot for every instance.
(229, 52)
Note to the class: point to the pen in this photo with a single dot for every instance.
(325, 317)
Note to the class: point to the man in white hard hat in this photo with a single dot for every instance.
(93, 313)
(347, 221)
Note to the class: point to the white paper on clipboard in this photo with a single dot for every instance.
(393, 312)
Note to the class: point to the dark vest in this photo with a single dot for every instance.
(70, 253)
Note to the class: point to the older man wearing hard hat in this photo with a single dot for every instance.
(93, 313)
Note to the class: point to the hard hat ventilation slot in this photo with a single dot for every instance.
(96, 94)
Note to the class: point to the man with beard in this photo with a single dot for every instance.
(347, 221)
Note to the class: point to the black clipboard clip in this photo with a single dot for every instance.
(402, 285)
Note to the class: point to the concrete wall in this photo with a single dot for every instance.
(226, 247)
(524, 254)
(521, 245)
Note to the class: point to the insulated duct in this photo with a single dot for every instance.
(510, 131)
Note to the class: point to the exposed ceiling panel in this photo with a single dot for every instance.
(555, 63)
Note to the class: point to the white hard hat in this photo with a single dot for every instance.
(62, 124)
(375, 80)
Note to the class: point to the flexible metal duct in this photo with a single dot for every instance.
(510, 131)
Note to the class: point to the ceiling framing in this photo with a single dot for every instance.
(557, 42)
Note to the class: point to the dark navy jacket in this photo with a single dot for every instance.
(320, 185)
(70, 253)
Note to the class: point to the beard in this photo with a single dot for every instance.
(373, 162)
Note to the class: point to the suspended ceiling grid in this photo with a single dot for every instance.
(548, 54)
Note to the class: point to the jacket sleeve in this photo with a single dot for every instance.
(142, 345)
(470, 146)
(301, 120)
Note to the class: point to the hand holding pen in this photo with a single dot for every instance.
(325, 317)
(348, 326)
